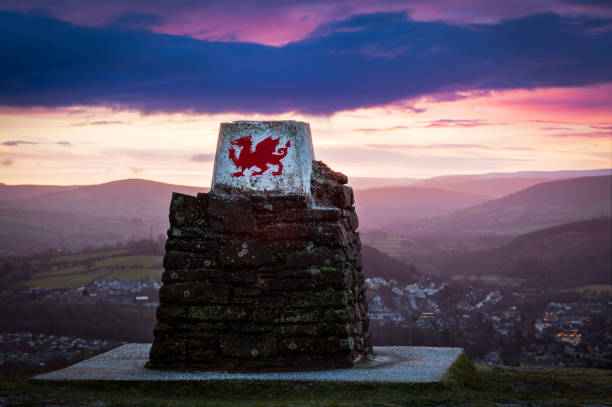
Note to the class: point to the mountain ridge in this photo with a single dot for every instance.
(536, 207)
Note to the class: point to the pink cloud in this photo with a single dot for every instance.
(280, 22)
(589, 105)
(591, 134)
(457, 123)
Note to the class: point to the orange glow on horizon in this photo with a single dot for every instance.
(519, 130)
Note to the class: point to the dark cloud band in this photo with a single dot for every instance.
(365, 61)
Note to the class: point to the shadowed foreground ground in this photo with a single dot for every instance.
(488, 386)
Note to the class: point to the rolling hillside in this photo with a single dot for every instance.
(499, 184)
(571, 255)
(27, 232)
(34, 218)
(492, 187)
(537, 207)
(379, 264)
(589, 238)
(13, 194)
(124, 199)
(381, 208)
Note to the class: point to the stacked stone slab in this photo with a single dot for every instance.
(258, 280)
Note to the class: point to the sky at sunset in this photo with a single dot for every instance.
(94, 91)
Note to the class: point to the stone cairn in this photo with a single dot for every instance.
(263, 280)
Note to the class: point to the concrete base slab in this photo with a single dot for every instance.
(398, 364)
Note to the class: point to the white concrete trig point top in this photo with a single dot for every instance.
(264, 156)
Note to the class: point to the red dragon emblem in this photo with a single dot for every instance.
(262, 157)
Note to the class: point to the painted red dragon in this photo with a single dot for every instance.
(262, 157)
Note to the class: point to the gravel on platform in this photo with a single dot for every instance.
(399, 364)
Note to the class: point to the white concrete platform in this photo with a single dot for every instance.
(392, 364)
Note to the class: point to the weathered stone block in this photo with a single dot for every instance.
(263, 279)
(308, 330)
(270, 302)
(204, 246)
(339, 315)
(351, 217)
(333, 344)
(245, 253)
(217, 312)
(248, 346)
(290, 315)
(202, 349)
(315, 256)
(299, 345)
(290, 285)
(320, 299)
(169, 352)
(174, 276)
(332, 235)
(283, 231)
(184, 211)
(171, 313)
(181, 260)
(195, 293)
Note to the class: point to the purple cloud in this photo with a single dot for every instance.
(52, 63)
(98, 123)
(14, 143)
(278, 22)
(591, 134)
(206, 157)
(457, 123)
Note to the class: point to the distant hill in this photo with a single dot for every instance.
(377, 182)
(35, 217)
(589, 238)
(569, 255)
(26, 232)
(124, 199)
(492, 187)
(498, 184)
(379, 264)
(537, 207)
(75, 217)
(14, 193)
(382, 208)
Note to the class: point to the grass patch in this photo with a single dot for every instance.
(130, 261)
(77, 280)
(86, 256)
(70, 281)
(117, 267)
(152, 274)
(599, 289)
(391, 246)
(55, 272)
(462, 373)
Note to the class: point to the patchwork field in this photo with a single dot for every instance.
(78, 270)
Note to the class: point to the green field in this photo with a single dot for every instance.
(596, 288)
(130, 261)
(102, 265)
(70, 281)
(86, 256)
(392, 245)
